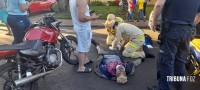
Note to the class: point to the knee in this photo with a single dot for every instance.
(125, 54)
(138, 54)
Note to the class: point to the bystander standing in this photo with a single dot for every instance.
(80, 17)
(144, 10)
(130, 13)
(18, 18)
(140, 4)
(174, 38)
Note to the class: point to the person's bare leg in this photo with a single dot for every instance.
(86, 58)
(82, 59)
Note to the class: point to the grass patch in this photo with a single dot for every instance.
(104, 10)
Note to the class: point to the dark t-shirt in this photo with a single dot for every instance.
(184, 10)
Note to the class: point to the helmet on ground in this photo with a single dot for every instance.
(121, 74)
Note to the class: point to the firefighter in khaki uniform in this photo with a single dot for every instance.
(111, 36)
(132, 34)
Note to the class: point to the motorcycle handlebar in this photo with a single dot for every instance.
(56, 24)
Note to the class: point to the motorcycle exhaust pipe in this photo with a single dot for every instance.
(23, 81)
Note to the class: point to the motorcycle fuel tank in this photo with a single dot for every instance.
(42, 33)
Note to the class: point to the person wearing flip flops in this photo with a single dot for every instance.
(4, 15)
(80, 17)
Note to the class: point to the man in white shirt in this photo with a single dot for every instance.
(80, 16)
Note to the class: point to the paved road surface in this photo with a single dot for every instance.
(66, 78)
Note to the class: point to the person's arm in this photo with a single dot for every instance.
(197, 18)
(156, 12)
(117, 38)
(81, 7)
(24, 5)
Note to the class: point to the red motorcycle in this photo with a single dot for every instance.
(40, 54)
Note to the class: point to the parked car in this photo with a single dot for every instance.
(41, 5)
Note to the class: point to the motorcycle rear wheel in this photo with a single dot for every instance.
(68, 51)
(8, 74)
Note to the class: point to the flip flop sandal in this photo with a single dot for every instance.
(90, 61)
(87, 70)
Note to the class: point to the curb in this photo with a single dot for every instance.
(101, 26)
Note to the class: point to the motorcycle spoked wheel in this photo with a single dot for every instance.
(8, 73)
(67, 51)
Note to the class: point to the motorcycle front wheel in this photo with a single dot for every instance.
(68, 52)
(9, 73)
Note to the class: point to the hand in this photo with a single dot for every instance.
(111, 48)
(119, 46)
(152, 25)
(94, 17)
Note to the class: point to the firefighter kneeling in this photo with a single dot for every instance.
(130, 33)
(111, 36)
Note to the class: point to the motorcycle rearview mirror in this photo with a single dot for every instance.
(56, 24)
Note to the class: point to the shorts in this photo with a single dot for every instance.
(84, 41)
(3, 15)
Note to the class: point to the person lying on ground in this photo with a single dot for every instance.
(112, 67)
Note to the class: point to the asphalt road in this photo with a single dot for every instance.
(66, 77)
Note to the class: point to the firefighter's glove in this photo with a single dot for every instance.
(111, 48)
(119, 46)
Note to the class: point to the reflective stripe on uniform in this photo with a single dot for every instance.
(141, 37)
(133, 55)
(131, 44)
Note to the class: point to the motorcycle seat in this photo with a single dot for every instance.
(21, 46)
